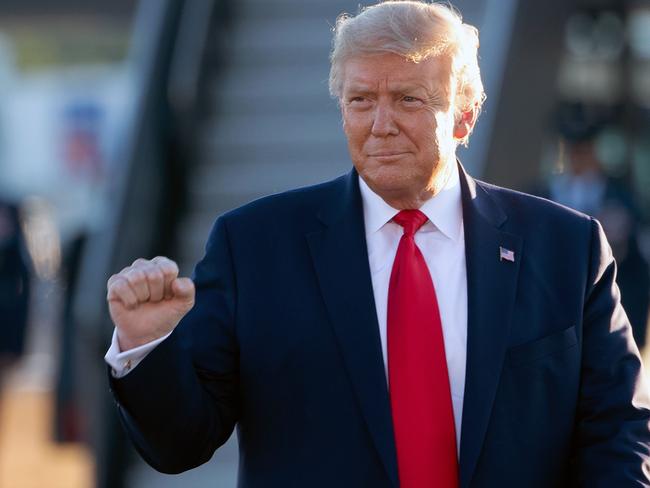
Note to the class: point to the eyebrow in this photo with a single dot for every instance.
(363, 88)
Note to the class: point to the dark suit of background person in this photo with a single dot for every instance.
(283, 342)
(584, 185)
(14, 285)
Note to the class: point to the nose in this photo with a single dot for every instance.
(384, 124)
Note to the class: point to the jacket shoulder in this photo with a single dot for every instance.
(288, 206)
(533, 209)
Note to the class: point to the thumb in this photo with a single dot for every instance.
(183, 289)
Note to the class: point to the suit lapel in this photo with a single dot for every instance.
(340, 257)
(491, 287)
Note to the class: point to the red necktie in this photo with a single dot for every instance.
(423, 417)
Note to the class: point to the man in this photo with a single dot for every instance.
(402, 325)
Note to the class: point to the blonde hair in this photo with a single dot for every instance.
(416, 30)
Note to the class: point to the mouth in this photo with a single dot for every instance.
(387, 154)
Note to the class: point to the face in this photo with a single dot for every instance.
(398, 117)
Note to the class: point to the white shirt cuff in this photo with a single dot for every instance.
(122, 363)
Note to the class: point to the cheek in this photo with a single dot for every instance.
(355, 132)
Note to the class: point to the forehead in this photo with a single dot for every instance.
(370, 72)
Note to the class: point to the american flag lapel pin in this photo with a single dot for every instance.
(506, 254)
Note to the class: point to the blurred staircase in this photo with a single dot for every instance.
(270, 124)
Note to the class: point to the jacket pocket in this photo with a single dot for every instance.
(539, 348)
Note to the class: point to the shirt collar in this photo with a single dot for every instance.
(444, 210)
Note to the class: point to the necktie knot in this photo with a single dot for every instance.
(410, 220)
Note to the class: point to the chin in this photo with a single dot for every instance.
(391, 183)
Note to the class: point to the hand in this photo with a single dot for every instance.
(147, 300)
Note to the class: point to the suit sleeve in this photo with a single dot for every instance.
(613, 430)
(182, 401)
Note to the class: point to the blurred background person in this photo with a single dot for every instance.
(581, 181)
(14, 287)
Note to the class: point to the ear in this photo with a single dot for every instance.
(465, 123)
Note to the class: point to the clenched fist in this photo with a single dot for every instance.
(147, 300)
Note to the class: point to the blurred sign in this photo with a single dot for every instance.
(82, 127)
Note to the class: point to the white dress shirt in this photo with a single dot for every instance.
(122, 362)
(442, 243)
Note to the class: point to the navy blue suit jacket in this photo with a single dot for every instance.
(283, 342)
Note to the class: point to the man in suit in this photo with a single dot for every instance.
(402, 325)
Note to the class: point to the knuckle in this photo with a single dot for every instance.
(155, 276)
(159, 260)
(170, 269)
(116, 281)
(121, 287)
(139, 262)
(110, 281)
(135, 278)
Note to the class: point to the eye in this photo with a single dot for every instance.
(411, 100)
(358, 102)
